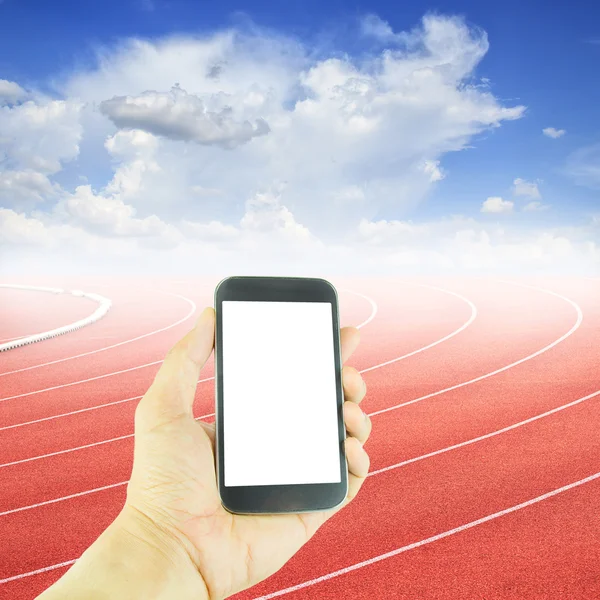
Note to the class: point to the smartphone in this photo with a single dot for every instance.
(278, 395)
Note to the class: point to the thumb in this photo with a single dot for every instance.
(172, 392)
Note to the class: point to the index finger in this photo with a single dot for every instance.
(349, 339)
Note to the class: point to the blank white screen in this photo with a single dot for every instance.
(279, 394)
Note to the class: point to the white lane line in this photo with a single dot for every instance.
(37, 571)
(31, 459)
(64, 385)
(374, 559)
(70, 497)
(428, 540)
(372, 473)
(74, 412)
(67, 414)
(369, 319)
(81, 410)
(460, 385)
(466, 324)
(104, 305)
(91, 445)
(145, 335)
(19, 337)
(157, 362)
(562, 338)
(370, 301)
(461, 328)
(486, 436)
(405, 548)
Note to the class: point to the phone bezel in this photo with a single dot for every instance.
(274, 499)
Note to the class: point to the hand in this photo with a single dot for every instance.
(173, 538)
(173, 485)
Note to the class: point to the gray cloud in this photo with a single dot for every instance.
(178, 115)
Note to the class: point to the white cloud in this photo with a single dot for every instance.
(181, 116)
(495, 204)
(460, 244)
(380, 125)
(136, 152)
(266, 214)
(375, 26)
(535, 205)
(431, 168)
(206, 192)
(449, 245)
(111, 216)
(17, 228)
(40, 134)
(349, 196)
(521, 187)
(10, 92)
(22, 188)
(357, 143)
(553, 133)
(214, 231)
(392, 232)
(133, 143)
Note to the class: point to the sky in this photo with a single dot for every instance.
(299, 137)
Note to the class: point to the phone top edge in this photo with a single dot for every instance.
(274, 277)
(316, 281)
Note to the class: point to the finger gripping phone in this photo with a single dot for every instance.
(278, 394)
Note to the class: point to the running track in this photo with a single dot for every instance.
(485, 452)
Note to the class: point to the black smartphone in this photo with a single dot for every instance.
(279, 400)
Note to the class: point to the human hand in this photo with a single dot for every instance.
(173, 538)
(173, 483)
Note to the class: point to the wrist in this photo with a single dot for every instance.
(132, 560)
(158, 557)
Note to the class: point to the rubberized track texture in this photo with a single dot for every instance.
(485, 453)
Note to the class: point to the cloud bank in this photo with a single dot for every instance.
(242, 152)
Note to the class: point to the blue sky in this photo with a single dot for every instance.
(543, 56)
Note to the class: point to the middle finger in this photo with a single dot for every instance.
(355, 388)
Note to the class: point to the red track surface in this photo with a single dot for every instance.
(27, 312)
(547, 549)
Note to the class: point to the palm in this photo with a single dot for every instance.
(180, 483)
(174, 483)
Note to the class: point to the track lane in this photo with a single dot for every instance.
(53, 445)
(531, 367)
(479, 559)
(122, 357)
(124, 315)
(447, 491)
(27, 312)
(71, 400)
(60, 453)
(438, 495)
(529, 319)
